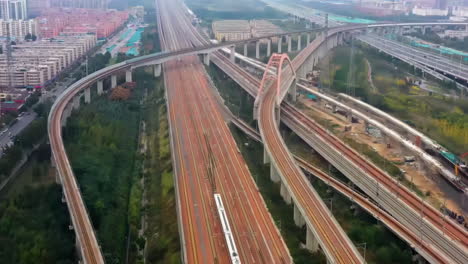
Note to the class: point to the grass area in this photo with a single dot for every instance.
(225, 9)
(161, 233)
(289, 25)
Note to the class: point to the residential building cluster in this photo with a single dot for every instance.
(100, 4)
(18, 29)
(57, 21)
(234, 30)
(35, 64)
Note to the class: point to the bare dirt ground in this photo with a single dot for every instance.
(422, 178)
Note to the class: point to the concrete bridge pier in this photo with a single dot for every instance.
(311, 241)
(246, 53)
(277, 115)
(100, 87)
(266, 156)
(128, 76)
(113, 81)
(257, 50)
(308, 38)
(285, 194)
(78, 248)
(87, 95)
(293, 91)
(232, 53)
(339, 39)
(280, 43)
(66, 114)
(299, 39)
(76, 103)
(289, 43)
(157, 70)
(268, 47)
(298, 218)
(206, 59)
(274, 175)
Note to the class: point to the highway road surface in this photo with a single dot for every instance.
(206, 161)
(337, 246)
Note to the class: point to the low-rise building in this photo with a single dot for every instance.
(419, 11)
(262, 28)
(231, 30)
(459, 34)
(460, 11)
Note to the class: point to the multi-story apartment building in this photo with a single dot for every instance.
(13, 9)
(35, 64)
(18, 29)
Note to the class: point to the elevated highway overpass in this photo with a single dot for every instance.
(86, 239)
(434, 64)
(401, 203)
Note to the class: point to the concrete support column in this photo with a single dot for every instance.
(280, 43)
(157, 70)
(206, 59)
(285, 194)
(100, 87)
(78, 248)
(232, 54)
(66, 114)
(76, 102)
(299, 39)
(87, 95)
(274, 175)
(266, 156)
(293, 90)
(113, 81)
(311, 241)
(308, 38)
(257, 50)
(298, 218)
(277, 115)
(128, 76)
(246, 53)
(268, 48)
(289, 43)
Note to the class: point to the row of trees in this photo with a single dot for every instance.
(30, 136)
(34, 228)
(101, 140)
